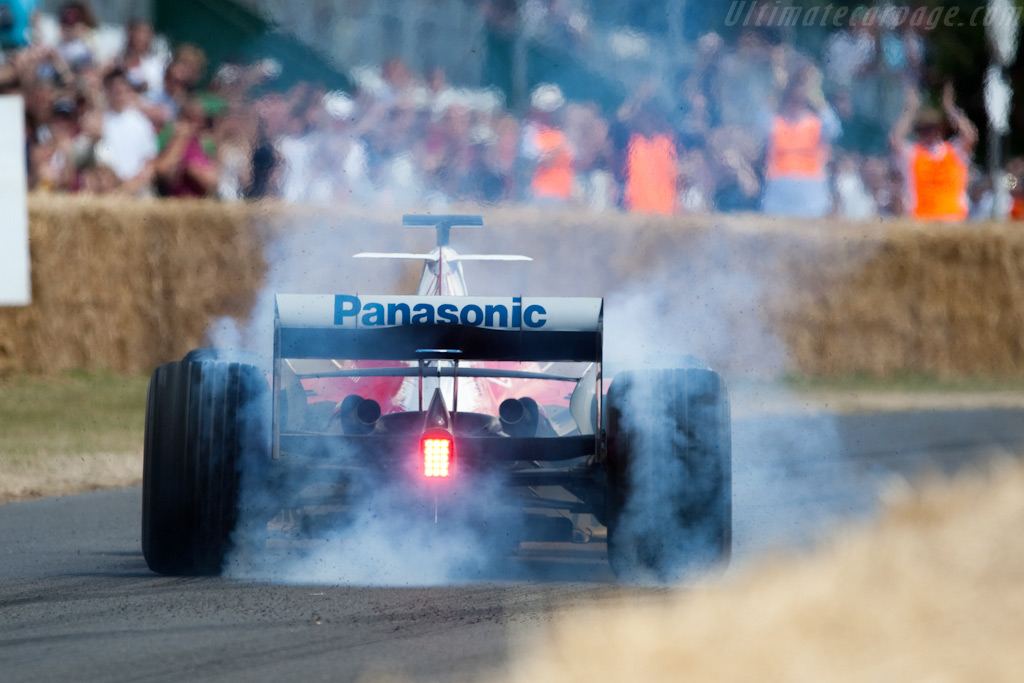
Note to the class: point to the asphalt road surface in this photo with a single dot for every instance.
(77, 602)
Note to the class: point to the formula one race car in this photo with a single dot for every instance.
(440, 397)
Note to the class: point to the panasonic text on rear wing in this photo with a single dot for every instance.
(483, 328)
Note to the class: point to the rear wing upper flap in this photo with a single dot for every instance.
(442, 223)
(481, 328)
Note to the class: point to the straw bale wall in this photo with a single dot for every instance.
(124, 285)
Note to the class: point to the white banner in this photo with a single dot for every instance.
(15, 285)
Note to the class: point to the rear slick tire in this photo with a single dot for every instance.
(669, 474)
(203, 419)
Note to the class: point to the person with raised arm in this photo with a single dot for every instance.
(935, 165)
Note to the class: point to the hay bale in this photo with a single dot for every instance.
(126, 284)
(931, 591)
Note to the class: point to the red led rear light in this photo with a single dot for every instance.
(437, 456)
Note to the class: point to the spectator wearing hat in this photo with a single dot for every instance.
(128, 136)
(546, 147)
(936, 169)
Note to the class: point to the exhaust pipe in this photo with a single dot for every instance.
(358, 415)
(519, 416)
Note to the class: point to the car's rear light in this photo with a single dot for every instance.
(437, 456)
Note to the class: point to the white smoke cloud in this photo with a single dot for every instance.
(313, 256)
(388, 536)
(705, 310)
(790, 477)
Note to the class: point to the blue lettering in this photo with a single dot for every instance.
(528, 316)
(478, 315)
(394, 310)
(374, 315)
(447, 313)
(424, 313)
(345, 306)
(349, 309)
(500, 311)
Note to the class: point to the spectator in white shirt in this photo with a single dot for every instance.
(128, 136)
(142, 62)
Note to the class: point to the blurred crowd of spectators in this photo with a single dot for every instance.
(752, 126)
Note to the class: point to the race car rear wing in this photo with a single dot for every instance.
(401, 327)
(443, 224)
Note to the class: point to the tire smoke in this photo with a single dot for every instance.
(387, 536)
(789, 476)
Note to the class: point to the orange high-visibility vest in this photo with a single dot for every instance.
(937, 184)
(651, 174)
(1017, 209)
(796, 149)
(553, 177)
